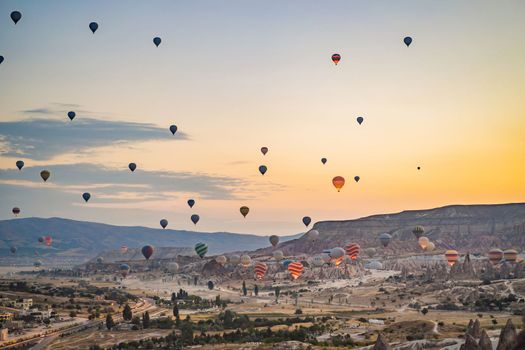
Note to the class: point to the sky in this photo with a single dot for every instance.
(235, 76)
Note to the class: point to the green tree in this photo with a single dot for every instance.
(244, 290)
(145, 320)
(109, 322)
(256, 290)
(277, 293)
(176, 314)
(127, 314)
(186, 333)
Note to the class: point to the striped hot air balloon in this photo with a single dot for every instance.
(260, 269)
(495, 255)
(510, 255)
(452, 256)
(418, 231)
(353, 250)
(296, 269)
(201, 249)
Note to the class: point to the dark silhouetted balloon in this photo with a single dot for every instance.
(132, 166)
(19, 164)
(307, 220)
(263, 169)
(244, 211)
(13, 250)
(100, 260)
(93, 26)
(156, 41)
(40, 239)
(264, 150)
(1, 59)
(360, 120)
(357, 178)
(195, 218)
(191, 202)
(16, 211)
(274, 240)
(418, 168)
(147, 251)
(324, 160)
(71, 115)
(16, 16)
(86, 196)
(173, 129)
(124, 269)
(336, 58)
(407, 40)
(163, 223)
(45, 174)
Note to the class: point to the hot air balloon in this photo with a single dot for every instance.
(274, 240)
(337, 261)
(423, 242)
(221, 259)
(336, 58)
(201, 249)
(100, 260)
(296, 269)
(173, 267)
(263, 169)
(430, 247)
(1, 59)
(246, 260)
(452, 256)
(210, 285)
(19, 164)
(326, 256)
(338, 182)
(374, 265)
(418, 168)
(44, 174)
(244, 210)
(132, 166)
(264, 150)
(40, 239)
(173, 129)
(337, 252)
(86, 196)
(407, 40)
(357, 178)
(123, 249)
(385, 239)
(12, 250)
(360, 120)
(147, 251)
(163, 223)
(48, 240)
(93, 26)
(324, 160)
(353, 250)
(191, 202)
(317, 261)
(260, 269)
(157, 41)
(71, 115)
(16, 211)
(16, 16)
(195, 218)
(235, 259)
(495, 255)
(312, 235)
(278, 255)
(418, 231)
(37, 263)
(124, 269)
(370, 252)
(510, 255)
(307, 220)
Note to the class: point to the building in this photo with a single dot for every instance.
(4, 335)
(24, 304)
(6, 316)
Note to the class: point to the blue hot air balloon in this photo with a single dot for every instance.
(86, 196)
(71, 115)
(132, 166)
(1, 59)
(163, 223)
(407, 40)
(191, 202)
(19, 164)
(357, 178)
(173, 129)
(263, 169)
(16, 16)
(93, 26)
(307, 220)
(156, 41)
(195, 218)
(360, 120)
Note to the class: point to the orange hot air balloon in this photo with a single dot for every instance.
(260, 269)
(296, 269)
(338, 182)
(423, 242)
(336, 58)
(452, 256)
(353, 250)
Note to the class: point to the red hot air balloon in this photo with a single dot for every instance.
(338, 182)
(48, 240)
(296, 269)
(147, 251)
(353, 250)
(336, 58)
(260, 269)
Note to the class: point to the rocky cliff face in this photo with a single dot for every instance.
(474, 228)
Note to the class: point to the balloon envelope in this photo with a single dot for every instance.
(385, 239)
(201, 249)
(495, 255)
(132, 166)
(323, 160)
(360, 120)
(246, 260)
(86, 196)
(307, 220)
(263, 169)
(353, 250)
(357, 178)
(71, 115)
(274, 240)
(452, 256)
(210, 285)
(312, 235)
(338, 182)
(336, 58)
(235, 259)
(337, 252)
(16, 16)
(48, 240)
(244, 211)
(1, 59)
(44, 174)
(173, 129)
(278, 255)
(423, 242)
(93, 26)
(296, 269)
(264, 150)
(430, 247)
(147, 251)
(157, 41)
(221, 259)
(13, 249)
(260, 269)
(16, 211)
(418, 231)
(195, 218)
(173, 267)
(163, 223)
(124, 269)
(407, 40)
(19, 164)
(191, 202)
(510, 255)
(123, 249)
